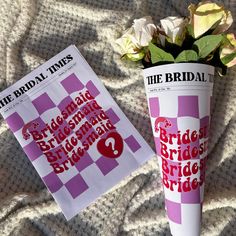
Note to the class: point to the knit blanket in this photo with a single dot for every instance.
(31, 32)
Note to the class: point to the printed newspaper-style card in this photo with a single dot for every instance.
(71, 129)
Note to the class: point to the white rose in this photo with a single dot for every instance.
(144, 29)
(137, 37)
(174, 28)
(129, 49)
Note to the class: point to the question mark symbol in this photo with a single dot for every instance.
(111, 142)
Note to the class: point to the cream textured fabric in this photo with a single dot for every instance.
(32, 31)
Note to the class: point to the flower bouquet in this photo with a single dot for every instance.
(179, 58)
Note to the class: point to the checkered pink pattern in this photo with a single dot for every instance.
(92, 172)
(183, 112)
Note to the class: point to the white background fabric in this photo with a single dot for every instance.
(32, 31)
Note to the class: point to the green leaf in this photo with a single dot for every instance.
(207, 44)
(225, 60)
(190, 30)
(187, 55)
(159, 55)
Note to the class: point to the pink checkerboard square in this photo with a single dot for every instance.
(72, 84)
(112, 115)
(154, 104)
(15, 122)
(106, 165)
(53, 182)
(173, 211)
(76, 186)
(188, 106)
(32, 150)
(43, 103)
(84, 162)
(132, 143)
(92, 88)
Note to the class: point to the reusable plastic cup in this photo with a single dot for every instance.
(179, 98)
